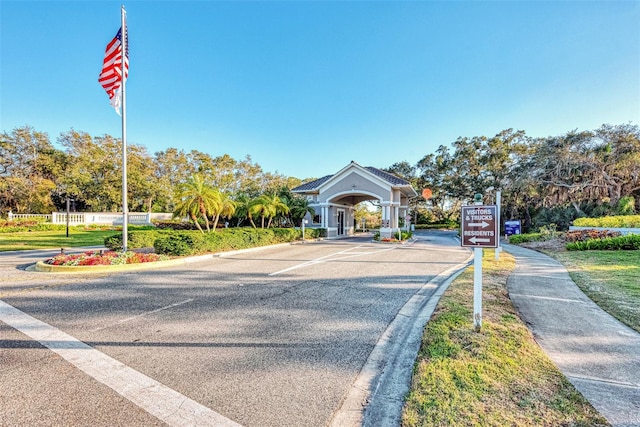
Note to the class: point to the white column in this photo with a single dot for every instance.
(397, 217)
(325, 217)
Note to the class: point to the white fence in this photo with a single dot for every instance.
(85, 218)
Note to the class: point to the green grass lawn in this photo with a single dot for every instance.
(496, 377)
(610, 278)
(52, 239)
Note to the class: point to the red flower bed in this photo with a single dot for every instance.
(584, 235)
(104, 258)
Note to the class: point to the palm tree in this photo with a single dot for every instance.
(187, 208)
(241, 213)
(288, 198)
(225, 209)
(276, 207)
(258, 207)
(266, 206)
(197, 199)
(299, 207)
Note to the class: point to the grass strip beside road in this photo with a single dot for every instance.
(52, 239)
(610, 278)
(496, 377)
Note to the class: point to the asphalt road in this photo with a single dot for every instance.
(274, 337)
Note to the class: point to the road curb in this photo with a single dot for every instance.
(375, 397)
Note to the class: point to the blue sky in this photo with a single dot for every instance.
(304, 87)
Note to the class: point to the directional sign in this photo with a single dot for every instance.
(479, 226)
(512, 227)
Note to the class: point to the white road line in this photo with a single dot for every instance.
(128, 319)
(325, 258)
(166, 404)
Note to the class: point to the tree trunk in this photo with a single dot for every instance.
(195, 220)
(527, 219)
(576, 206)
(206, 220)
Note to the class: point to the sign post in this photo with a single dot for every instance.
(479, 229)
(498, 248)
(67, 216)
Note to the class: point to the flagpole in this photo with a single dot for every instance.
(125, 207)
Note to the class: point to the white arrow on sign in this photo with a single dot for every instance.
(475, 240)
(478, 224)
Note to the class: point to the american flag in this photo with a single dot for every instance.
(111, 75)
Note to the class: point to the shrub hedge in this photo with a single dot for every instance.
(628, 242)
(25, 225)
(184, 243)
(620, 221)
(135, 240)
(524, 238)
(175, 225)
(190, 242)
(181, 243)
(21, 225)
(436, 226)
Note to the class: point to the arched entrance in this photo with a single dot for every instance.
(333, 198)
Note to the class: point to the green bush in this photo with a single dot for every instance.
(287, 234)
(135, 240)
(524, 238)
(620, 221)
(175, 224)
(626, 206)
(628, 242)
(548, 232)
(35, 224)
(404, 235)
(181, 243)
(315, 233)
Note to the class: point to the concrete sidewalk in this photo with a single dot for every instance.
(597, 353)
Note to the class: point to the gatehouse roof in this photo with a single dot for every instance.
(390, 178)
